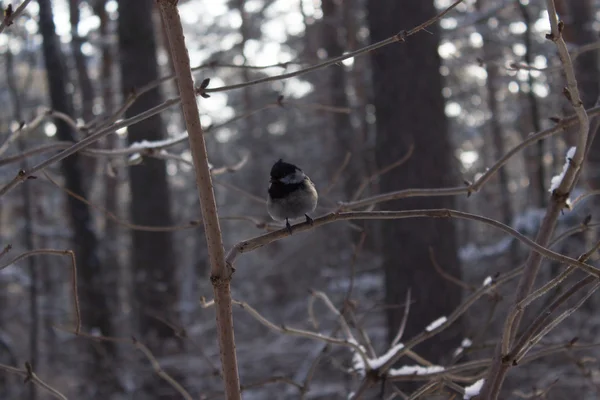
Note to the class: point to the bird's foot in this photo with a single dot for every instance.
(288, 226)
(309, 219)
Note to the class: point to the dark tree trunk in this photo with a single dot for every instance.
(28, 238)
(94, 308)
(85, 84)
(410, 110)
(152, 254)
(579, 17)
(343, 139)
(534, 156)
(492, 55)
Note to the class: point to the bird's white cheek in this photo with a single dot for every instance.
(294, 178)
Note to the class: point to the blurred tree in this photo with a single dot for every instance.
(95, 311)
(343, 139)
(492, 57)
(578, 17)
(28, 237)
(83, 77)
(152, 255)
(410, 110)
(534, 156)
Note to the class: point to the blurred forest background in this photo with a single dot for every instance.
(432, 112)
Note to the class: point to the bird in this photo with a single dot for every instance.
(291, 194)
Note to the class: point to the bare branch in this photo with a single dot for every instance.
(260, 241)
(159, 371)
(293, 331)
(21, 176)
(55, 252)
(398, 38)
(30, 376)
(220, 274)
(499, 369)
(10, 15)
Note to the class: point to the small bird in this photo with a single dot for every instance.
(291, 194)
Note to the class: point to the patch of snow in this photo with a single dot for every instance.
(557, 179)
(474, 389)
(436, 324)
(358, 364)
(415, 370)
(378, 362)
(466, 342)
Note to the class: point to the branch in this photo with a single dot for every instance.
(23, 175)
(159, 371)
(30, 376)
(483, 179)
(350, 343)
(260, 241)
(529, 340)
(400, 37)
(55, 252)
(10, 16)
(220, 276)
(493, 382)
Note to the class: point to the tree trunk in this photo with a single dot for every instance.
(344, 138)
(534, 156)
(28, 237)
(152, 254)
(579, 17)
(410, 111)
(492, 56)
(95, 312)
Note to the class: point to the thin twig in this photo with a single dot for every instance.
(404, 319)
(260, 241)
(293, 331)
(159, 371)
(29, 376)
(10, 17)
(55, 252)
(444, 274)
(398, 38)
(22, 175)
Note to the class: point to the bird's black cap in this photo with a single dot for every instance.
(282, 169)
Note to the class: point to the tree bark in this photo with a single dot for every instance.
(28, 237)
(410, 111)
(152, 253)
(579, 17)
(95, 312)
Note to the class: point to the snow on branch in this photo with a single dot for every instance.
(436, 324)
(557, 179)
(473, 390)
(415, 370)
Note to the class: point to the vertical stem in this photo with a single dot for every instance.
(499, 367)
(220, 273)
